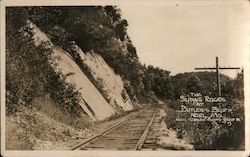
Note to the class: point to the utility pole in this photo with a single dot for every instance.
(217, 68)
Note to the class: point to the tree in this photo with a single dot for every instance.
(113, 12)
(193, 83)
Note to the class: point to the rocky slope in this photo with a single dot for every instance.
(44, 125)
(93, 102)
(113, 83)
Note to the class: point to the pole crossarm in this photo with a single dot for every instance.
(205, 68)
(230, 68)
(215, 68)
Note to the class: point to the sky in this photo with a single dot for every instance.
(181, 36)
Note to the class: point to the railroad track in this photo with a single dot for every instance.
(133, 133)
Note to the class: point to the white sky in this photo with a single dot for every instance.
(180, 36)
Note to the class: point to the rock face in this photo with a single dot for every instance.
(93, 102)
(112, 83)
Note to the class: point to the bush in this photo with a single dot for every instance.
(210, 135)
(29, 69)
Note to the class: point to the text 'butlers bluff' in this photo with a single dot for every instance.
(198, 108)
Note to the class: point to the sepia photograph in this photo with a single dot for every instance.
(139, 77)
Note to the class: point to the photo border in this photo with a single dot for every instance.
(177, 153)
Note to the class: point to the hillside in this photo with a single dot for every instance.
(56, 82)
(93, 103)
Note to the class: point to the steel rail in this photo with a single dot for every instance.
(107, 130)
(145, 133)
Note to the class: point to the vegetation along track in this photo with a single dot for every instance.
(133, 133)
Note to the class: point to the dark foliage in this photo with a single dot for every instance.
(203, 82)
(210, 135)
